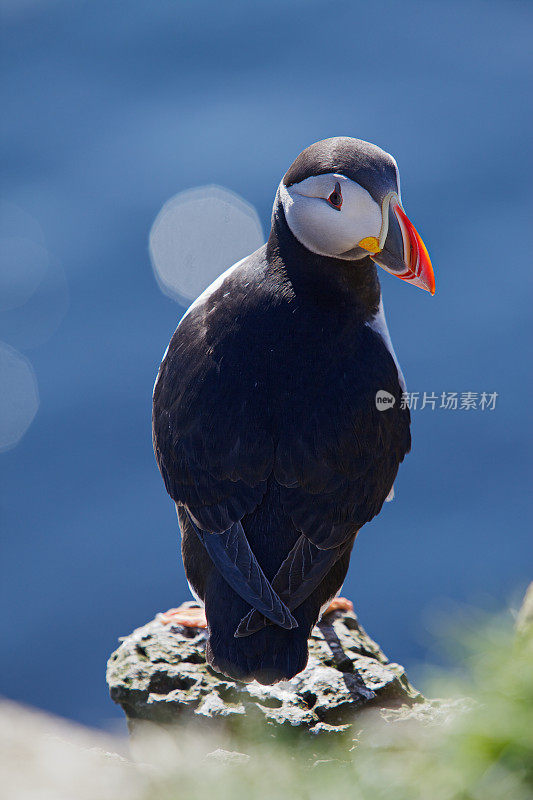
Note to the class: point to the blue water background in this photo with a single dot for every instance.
(109, 108)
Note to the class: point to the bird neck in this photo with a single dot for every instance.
(328, 282)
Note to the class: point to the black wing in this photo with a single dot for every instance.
(299, 575)
(214, 451)
(336, 462)
(231, 554)
(337, 459)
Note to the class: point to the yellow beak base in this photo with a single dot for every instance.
(370, 244)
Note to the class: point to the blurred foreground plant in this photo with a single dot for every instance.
(477, 747)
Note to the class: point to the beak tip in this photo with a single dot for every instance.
(419, 269)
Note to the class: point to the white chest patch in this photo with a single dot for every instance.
(379, 324)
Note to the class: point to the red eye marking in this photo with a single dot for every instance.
(335, 198)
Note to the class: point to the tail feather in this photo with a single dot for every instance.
(270, 655)
(267, 656)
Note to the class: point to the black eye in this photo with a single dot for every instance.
(335, 198)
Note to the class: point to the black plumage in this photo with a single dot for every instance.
(266, 433)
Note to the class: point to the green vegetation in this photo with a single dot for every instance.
(478, 746)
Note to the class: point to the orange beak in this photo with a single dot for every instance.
(418, 268)
(400, 249)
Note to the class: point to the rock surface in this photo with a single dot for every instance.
(159, 673)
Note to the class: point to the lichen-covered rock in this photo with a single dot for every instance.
(159, 673)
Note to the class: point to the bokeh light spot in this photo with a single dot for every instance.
(23, 265)
(197, 235)
(34, 293)
(16, 221)
(19, 397)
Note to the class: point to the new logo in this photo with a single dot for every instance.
(384, 400)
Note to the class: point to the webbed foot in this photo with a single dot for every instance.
(186, 615)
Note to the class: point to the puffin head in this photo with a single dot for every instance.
(341, 199)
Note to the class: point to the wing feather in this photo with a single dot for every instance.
(232, 556)
(301, 572)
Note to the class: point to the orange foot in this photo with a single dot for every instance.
(339, 604)
(185, 615)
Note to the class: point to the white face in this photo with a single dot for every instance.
(323, 226)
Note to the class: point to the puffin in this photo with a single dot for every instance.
(278, 426)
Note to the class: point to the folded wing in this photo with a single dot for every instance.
(215, 457)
